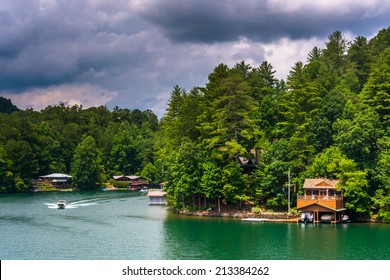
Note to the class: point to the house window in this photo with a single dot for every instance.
(322, 192)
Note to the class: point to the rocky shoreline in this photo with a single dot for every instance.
(239, 214)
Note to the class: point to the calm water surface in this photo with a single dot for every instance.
(121, 225)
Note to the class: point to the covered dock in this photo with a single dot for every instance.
(321, 199)
(157, 197)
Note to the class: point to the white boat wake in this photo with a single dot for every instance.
(51, 205)
(72, 205)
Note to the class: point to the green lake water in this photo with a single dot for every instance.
(121, 225)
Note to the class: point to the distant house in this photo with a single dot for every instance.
(135, 182)
(321, 198)
(249, 165)
(57, 179)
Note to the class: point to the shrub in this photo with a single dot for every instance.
(256, 210)
(120, 185)
(384, 216)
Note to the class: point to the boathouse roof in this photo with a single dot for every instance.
(323, 183)
(127, 177)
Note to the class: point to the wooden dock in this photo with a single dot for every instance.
(262, 220)
(257, 220)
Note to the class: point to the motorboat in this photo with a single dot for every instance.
(345, 219)
(144, 190)
(307, 217)
(327, 218)
(61, 204)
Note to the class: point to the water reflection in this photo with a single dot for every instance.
(204, 238)
(123, 226)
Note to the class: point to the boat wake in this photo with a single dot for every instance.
(51, 205)
(72, 205)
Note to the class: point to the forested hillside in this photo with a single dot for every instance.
(330, 118)
(99, 142)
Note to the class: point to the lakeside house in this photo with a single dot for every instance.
(135, 182)
(250, 164)
(57, 179)
(321, 198)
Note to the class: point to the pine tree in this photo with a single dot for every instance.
(86, 169)
(358, 59)
(376, 91)
(227, 118)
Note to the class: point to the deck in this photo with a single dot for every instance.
(333, 202)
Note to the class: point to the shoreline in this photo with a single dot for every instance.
(267, 216)
(274, 217)
(280, 217)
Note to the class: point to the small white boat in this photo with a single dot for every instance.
(61, 204)
(327, 218)
(345, 219)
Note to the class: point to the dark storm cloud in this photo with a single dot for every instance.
(133, 52)
(265, 21)
(51, 42)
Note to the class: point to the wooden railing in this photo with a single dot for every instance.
(334, 202)
(317, 197)
(156, 190)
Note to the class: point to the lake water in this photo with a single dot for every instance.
(121, 225)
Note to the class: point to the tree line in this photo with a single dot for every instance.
(91, 144)
(330, 118)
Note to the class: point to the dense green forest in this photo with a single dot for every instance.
(91, 144)
(330, 118)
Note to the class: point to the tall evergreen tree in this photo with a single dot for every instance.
(265, 90)
(229, 108)
(376, 91)
(358, 59)
(301, 102)
(335, 52)
(333, 64)
(86, 169)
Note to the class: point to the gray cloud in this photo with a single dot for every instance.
(265, 21)
(49, 42)
(135, 51)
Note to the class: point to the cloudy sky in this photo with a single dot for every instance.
(131, 53)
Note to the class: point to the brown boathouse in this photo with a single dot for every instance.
(321, 200)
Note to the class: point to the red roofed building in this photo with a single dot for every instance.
(135, 182)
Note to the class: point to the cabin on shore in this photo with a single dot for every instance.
(135, 182)
(248, 165)
(57, 179)
(321, 197)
